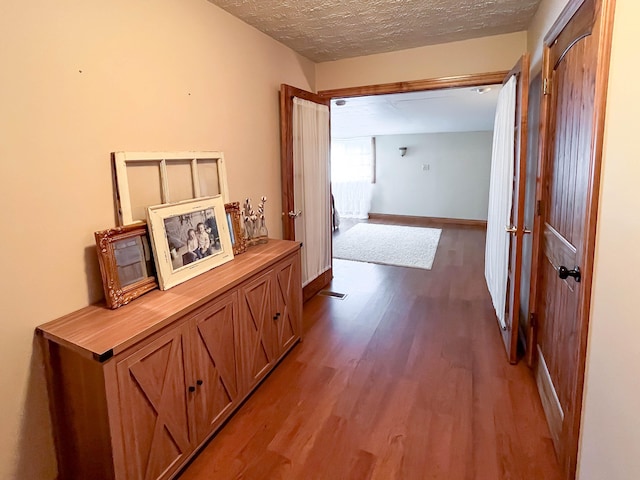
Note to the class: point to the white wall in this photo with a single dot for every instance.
(456, 184)
(610, 432)
(80, 79)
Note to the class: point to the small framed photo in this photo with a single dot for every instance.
(238, 242)
(125, 263)
(189, 238)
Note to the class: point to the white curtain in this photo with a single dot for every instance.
(352, 171)
(352, 199)
(496, 260)
(311, 186)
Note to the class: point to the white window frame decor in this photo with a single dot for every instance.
(170, 259)
(122, 160)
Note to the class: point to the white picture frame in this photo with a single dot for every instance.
(143, 179)
(189, 238)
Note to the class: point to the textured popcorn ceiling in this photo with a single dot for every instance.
(324, 30)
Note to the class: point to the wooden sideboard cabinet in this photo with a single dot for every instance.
(136, 391)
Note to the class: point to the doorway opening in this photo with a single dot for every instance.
(410, 159)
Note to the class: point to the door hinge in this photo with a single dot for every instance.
(539, 207)
(545, 86)
(532, 320)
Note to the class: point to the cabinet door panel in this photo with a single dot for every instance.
(288, 302)
(215, 364)
(257, 331)
(155, 407)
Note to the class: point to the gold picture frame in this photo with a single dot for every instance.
(189, 238)
(125, 263)
(238, 241)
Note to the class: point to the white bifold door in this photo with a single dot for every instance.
(505, 219)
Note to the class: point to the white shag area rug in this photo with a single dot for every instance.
(388, 244)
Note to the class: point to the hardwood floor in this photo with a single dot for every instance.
(406, 378)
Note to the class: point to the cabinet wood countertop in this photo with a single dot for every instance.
(98, 332)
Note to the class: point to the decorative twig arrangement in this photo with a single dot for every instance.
(255, 228)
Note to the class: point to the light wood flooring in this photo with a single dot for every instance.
(406, 379)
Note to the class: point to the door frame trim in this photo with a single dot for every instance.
(604, 11)
(438, 83)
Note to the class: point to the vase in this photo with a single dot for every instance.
(248, 231)
(263, 233)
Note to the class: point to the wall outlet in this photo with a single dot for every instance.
(425, 167)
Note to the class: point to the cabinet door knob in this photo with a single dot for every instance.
(192, 388)
(199, 382)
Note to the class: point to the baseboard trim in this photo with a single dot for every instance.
(427, 221)
(316, 285)
(550, 402)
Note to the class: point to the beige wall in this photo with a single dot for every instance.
(611, 419)
(83, 78)
(611, 422)
(548, 11)
(488, 54)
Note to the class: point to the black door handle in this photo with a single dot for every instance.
(564, 273)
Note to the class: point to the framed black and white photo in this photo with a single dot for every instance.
(189, 238)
